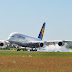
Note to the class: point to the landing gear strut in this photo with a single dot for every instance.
(24, 49)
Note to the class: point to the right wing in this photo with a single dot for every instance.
(69, 42)
(59, 42)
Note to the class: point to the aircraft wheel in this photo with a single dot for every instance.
(31, 50)
(18, 49)
(24, 49)
(35, 50)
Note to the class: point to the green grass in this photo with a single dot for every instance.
(35, 54)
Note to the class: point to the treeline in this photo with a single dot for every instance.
(9, 48)
(69, 46)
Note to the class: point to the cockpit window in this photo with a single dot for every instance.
(12, 36)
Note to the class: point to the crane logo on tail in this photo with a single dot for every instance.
(42, 31)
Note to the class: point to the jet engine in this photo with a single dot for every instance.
(3, 44)
(41, 44)
(61, 43)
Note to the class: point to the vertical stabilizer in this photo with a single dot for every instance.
(42, 31)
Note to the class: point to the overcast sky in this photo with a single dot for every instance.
(27, 17)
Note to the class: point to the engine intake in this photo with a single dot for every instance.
(1, 44)
(41, 44)
(61, 43)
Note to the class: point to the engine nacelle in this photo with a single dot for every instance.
(41, 44)
(2, 44)
(61, 43)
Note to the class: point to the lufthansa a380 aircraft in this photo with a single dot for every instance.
(31, 42)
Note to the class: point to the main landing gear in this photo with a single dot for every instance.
(33, 49)
(24, 49)
(18, 49)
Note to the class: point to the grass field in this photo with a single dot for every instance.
(13, 61)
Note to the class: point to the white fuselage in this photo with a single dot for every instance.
(17, 37)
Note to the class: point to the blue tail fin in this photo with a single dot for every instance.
(42, 31)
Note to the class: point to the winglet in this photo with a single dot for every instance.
(42, 31)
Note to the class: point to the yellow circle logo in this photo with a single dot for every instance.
(42, 31)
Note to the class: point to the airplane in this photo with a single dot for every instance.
(32, 42)
(22, 40)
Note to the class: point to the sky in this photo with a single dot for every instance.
(27, 17)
